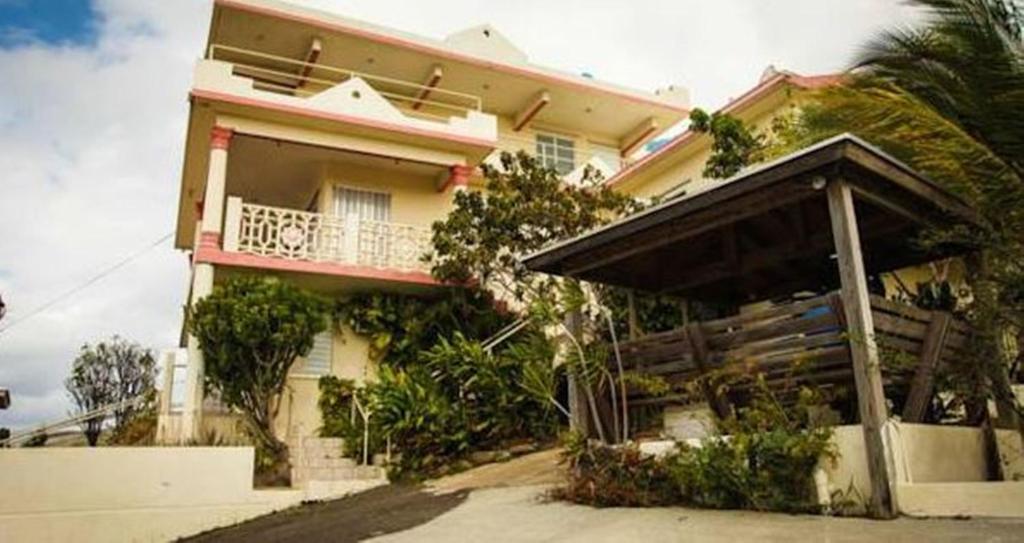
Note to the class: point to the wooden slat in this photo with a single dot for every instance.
(904, 310)
(889, 324)
(924, 378)
(816, 323)
(783, 310)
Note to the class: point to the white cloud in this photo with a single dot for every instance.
(91, 137)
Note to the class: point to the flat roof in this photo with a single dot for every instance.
(766, 231)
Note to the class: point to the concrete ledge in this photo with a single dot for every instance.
(973, 499)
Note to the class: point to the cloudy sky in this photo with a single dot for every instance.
(93, 110)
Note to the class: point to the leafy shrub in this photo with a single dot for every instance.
(342, 419)
(766, 463)
(606, 476)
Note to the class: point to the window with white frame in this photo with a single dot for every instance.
(556, 152)
(318, 362)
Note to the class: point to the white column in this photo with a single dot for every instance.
(192, 413)
(202, 276)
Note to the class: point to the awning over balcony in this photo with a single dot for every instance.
(766, 232)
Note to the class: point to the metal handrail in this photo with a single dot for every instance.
(78, 419)
(475, 102)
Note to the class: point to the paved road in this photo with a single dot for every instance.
(505, 503)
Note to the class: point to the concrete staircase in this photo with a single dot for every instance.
(320, 460)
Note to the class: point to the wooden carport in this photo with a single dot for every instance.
(822, 219)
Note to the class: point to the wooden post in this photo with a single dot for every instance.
(860, 329)
(634, 327)
(924, 378)
(579, 411)
(699, 346)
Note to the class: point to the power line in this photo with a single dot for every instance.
(86, 284)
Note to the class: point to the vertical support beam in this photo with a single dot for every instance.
(211, 226)
(924, 378)
(634, 327)
(860, 328)
(232, 224)
(579, 411)
(457, 179)
(192, 414)
(216, 179)
(699, 346)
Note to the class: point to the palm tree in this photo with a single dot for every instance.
(947, 97)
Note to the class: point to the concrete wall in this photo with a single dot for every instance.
(128, 494)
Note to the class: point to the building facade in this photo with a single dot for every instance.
(320, 149)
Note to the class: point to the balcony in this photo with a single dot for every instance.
(288, 235)
(359, 102)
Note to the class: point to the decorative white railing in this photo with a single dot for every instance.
(300, 235)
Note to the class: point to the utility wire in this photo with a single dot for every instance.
(87, 283)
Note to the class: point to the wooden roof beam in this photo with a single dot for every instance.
(433, 79)
(312, 56)
(638, 136)
(531, 109)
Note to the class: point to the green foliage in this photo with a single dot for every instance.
(461, 398)
(734, 145)
(765, 462)
(400, 326)
(945, 98)
(250, 331)
(523, 207)
(605, 476)
(653, 313)
(341, 418)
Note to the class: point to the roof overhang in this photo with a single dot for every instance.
(766, 232)
(505, 86)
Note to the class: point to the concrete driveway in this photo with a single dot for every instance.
(505, 503)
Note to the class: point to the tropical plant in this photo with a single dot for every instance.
(250, 331)
(734, 144)
(946, 97)
(107, 373)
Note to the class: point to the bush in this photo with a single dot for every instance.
(766, 463)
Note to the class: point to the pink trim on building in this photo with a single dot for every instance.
(220, 137)
(763, 88)
(446, 53)
(214, 255)
(209, 240)
(458, 176)
(368, 123)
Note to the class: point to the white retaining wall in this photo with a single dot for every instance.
(128, 493)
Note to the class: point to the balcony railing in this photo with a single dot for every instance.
(282, 75)
(316, 237)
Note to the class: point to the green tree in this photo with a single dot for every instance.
(524, 206)
(250, 331)
(734, 145)
(947, 98)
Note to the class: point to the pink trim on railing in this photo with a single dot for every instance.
(215, 255)
(368, 123)
(451, 55)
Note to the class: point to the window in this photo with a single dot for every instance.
(555, 152)
(318, 361)
(365, 204)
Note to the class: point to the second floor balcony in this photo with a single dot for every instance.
(298, 236)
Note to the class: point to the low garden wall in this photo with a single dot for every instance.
(940, 471)
(129, 493)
